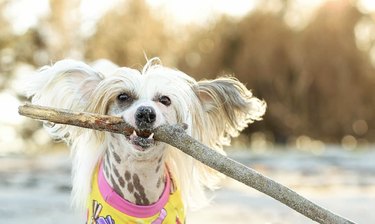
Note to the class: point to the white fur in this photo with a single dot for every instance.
(215, 111)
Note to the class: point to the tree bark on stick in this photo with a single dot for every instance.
(176, 136)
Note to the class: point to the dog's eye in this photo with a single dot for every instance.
(123, 97)
(165, 100)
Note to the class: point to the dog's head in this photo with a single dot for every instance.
(214, 110)
(145, 99)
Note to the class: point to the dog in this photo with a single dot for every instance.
(135, 179)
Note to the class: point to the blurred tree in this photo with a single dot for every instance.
(264, 62)
(255, 49)
(8, 43)
(54, 37)
(129, 32)
(209, 51)
(316, 81)
(60, 31)
(5, 29)
(335, 76)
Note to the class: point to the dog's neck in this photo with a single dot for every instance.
(140, 182)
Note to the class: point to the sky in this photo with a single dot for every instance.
(182, 11)
(25, 13)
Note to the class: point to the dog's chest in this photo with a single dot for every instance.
(107, 207)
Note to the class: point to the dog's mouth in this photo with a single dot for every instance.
(142, 139)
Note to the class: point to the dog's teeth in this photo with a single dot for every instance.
(151, 136)
(134, 133)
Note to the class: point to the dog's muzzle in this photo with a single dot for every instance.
(145, 118)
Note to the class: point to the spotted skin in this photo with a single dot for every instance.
(141, 183)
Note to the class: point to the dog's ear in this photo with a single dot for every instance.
(228, 107)
(64, 84)
(68, 84)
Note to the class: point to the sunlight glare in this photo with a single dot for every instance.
(10, 115)
(366, 6)
(197, 11)
(183, 12)
(22, 17)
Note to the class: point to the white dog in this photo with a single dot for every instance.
(134, 179)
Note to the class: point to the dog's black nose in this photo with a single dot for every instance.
(145, 117)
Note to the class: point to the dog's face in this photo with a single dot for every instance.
(146, 101)
(144, 113)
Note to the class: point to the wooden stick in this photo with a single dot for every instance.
(80, 119)
(176, 136)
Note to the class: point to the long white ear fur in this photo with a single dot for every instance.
(229, 107)
(67, 84)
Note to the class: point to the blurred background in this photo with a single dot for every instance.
(313, 62)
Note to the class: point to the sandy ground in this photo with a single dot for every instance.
(35, 189)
